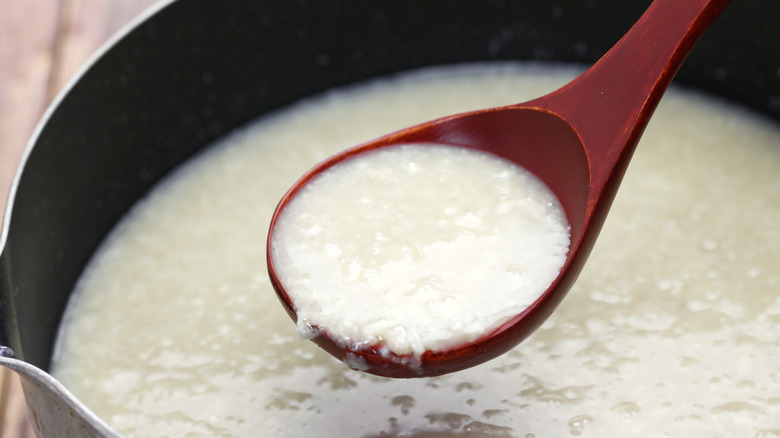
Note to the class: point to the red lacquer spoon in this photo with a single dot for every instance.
(578, 140)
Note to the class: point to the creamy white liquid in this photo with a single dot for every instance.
(401, 246)
(673, 328)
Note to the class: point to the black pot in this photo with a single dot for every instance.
(198, 69)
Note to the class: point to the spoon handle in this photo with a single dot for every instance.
(619, 93)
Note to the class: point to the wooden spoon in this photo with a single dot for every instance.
(578, 140)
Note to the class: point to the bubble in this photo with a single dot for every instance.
(737, 408)
(488, 413)
(404, 401)
(578, 424)
(626, 409)
(746, 384)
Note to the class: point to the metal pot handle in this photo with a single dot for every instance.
(53, 409)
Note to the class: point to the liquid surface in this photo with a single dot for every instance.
(399, 247)
(673, 328)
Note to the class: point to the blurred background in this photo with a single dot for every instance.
(43, 44)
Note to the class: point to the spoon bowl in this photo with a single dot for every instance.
(578, 140)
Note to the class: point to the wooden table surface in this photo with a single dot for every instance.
(43, 43)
